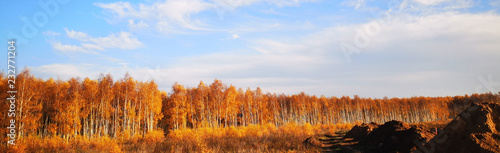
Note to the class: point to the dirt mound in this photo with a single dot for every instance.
(476, 129)
(361, 131)
(396, 136)
(312, 142)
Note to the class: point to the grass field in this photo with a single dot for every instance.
(253, 138)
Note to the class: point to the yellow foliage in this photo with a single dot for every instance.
(154, 136)
(308, 129)
(251, 138)
(58, 144)
(124, 135)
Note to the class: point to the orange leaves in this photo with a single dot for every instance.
(28, 104)
(251, 138)
(178, 103)
(154, 136)
(219, 105)
(129, 111)
(58, 144)
(91, 108)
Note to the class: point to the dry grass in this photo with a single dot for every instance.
(57, 144)
(253, 138)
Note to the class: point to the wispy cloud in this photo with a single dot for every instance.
(432, 52)
(89, 44)
(70, 48)
(163, 15)
(442, 5)
(354, 3)
(429, 58)
(430, 48)
(81, 36)
(431, 2)
(176, 16)
(54, 71)
(51, 33)
(137, 26)
(240, 3)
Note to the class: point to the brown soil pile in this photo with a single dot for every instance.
(312, 142)
(361, 131)
(476, 129)
(396, 136)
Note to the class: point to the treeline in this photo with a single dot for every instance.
(104, 107)
(90, 108)
(219, 105)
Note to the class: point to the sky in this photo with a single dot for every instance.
(370, 48)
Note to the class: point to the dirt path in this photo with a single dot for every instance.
(335, 143)
(327, 141)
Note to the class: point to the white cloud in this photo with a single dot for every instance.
(431, 2)
(137, 26)
(431, 55)
(89, 44)
(445, 5)
(461, 4)
(168, 13)
(444, 51)
(176, 16)
(125, 9)
(454, 31)
(234, 3)
(354, 3)
(51, 33)
(81, 36)
(62, 71)
(180, 11)
(415, 6)
(123, 40)
(66, 71)
(434, 54)
(69, 48)
(240, 3)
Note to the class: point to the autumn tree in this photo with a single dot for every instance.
(178, 104)
(89, 107)
(102, 107)
(4, 108)
(230, 105)
(216, 96)
(29, 107)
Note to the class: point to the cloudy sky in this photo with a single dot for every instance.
(395, 48)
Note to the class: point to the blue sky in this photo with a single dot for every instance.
(397, 48)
